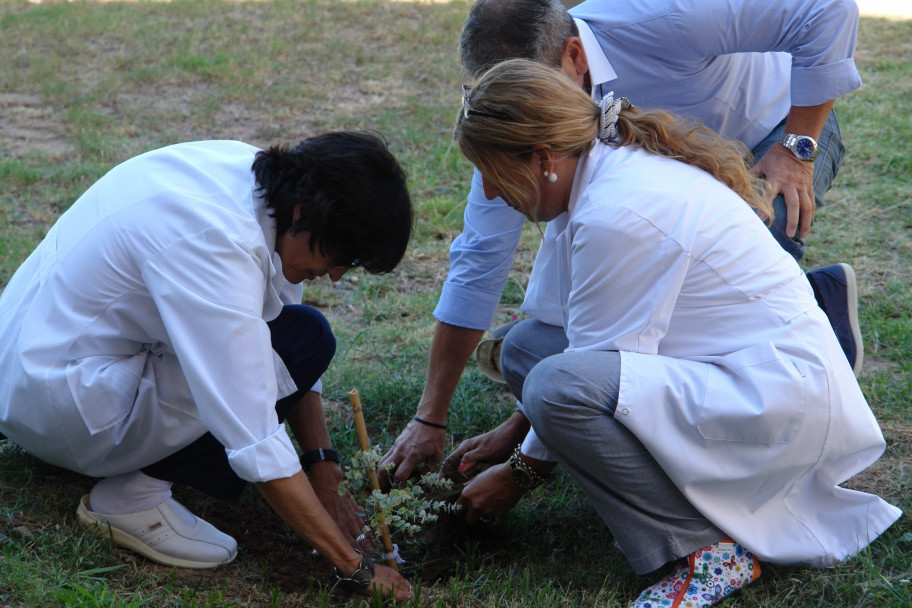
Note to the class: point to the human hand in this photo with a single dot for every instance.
(491, 447)
(417, 445)
(353, 524)
(390, 583)
(794, 179)
(343, 509)
(490, 494)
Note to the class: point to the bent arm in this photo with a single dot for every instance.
(808, 120)
(293, 499)
(451, 348)
(820, 36)
(480, 262)
(791, 177)
(420, 444)
(308, 424)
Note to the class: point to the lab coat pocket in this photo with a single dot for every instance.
(104, 388)
(755, 395)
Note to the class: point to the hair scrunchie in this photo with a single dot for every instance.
(611, 108)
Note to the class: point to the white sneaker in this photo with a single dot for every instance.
(164, 535)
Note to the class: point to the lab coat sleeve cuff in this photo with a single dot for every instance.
(533, 448)
(271, 458)
(466, 307)
(812, 86)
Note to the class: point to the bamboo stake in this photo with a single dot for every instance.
(355, 399)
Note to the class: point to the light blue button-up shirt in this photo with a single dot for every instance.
(736, 66)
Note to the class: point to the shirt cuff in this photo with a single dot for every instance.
(271, 458)
(466, 307)
(533, 448)
(813, 86)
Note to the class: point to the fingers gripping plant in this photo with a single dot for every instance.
(402, 509)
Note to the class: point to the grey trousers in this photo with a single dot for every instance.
(570, 400)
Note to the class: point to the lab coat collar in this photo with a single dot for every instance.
(273, 303)
(261, 213)
(585, 170)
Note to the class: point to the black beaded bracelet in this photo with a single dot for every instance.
(429, 423)
(318, 455)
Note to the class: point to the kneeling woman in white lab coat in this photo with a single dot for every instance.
(156, 335)
(675, 363)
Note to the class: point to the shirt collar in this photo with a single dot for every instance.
(600, 70)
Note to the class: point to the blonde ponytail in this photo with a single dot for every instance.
(518, 104)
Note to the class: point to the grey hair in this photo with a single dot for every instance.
(496, 30)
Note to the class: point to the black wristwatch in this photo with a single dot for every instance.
(319, 455)
(524, 476)
(804, 147)
(362, 577)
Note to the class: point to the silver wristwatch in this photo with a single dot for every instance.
(361, 578)
(803, 147)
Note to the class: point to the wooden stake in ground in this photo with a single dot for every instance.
(355, 399)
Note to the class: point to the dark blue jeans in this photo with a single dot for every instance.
(826, 166)
(303, 339)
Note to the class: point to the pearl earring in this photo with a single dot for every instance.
(552, 177)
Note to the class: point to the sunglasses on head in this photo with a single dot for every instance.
(467, 110)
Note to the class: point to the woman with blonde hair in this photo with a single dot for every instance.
(675, 363)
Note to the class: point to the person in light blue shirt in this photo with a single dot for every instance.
(765, 72)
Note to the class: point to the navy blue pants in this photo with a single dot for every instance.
(303, 339)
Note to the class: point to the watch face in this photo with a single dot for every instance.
(363, 578)
(804, 147)
(522, 479)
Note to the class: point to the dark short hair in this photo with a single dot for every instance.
(356, 206)
(497, 30)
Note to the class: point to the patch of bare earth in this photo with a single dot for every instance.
(27, 124)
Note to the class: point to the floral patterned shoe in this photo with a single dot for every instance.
(710, 575)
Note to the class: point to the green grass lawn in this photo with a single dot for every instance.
(85, 85)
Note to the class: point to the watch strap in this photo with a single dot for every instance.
(362, 577)
(319, 455)
(793, 141)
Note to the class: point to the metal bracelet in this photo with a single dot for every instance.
(517, 463)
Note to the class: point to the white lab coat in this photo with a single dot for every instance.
(730, 373)
(139, 322)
